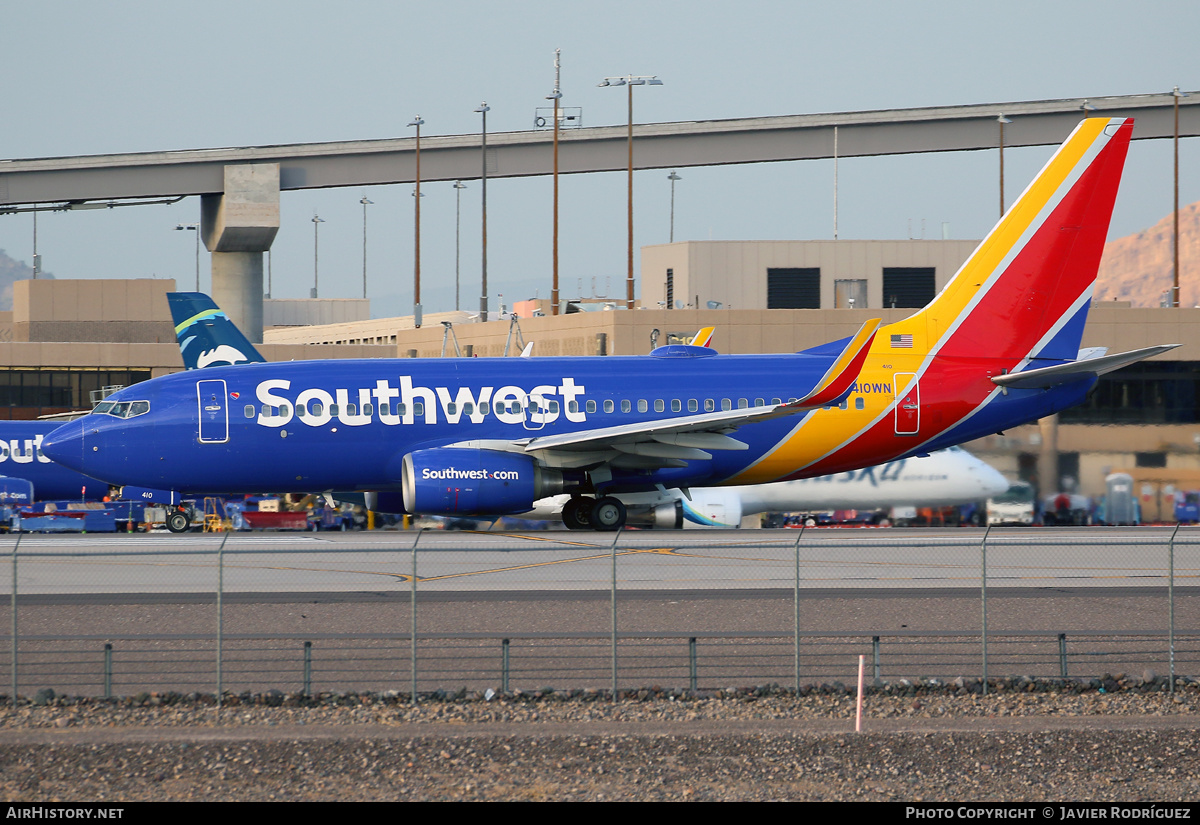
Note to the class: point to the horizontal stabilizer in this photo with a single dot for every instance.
(1064, 373)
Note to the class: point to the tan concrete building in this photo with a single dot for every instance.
(65, 339)
(798, 274)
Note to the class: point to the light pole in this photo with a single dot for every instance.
(178, 227)
(458, 187)
(316, 221)
(365, 203)
(556, 96)
(1176, 94)
(483, 295)
(416, 121)
(37, 259)
(1001, 119)
(672, 178)
(630, 81)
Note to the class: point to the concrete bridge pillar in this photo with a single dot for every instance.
(237, 227)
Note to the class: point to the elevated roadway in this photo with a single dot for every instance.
(240, 187)
(595, 149)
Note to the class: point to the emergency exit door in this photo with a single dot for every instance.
(214, 411)
(908, 403)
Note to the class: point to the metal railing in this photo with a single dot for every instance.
(119, 617)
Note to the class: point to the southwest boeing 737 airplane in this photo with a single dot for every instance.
(998, 347)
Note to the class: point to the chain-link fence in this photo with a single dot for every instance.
(416, 613)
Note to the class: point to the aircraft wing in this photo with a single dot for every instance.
(1062, 373)
(687, 437)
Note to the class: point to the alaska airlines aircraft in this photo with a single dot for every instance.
(947, 477)
(998, 347)
(206, 336)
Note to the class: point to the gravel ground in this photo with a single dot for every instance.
(1117, 739)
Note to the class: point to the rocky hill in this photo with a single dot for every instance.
(12, 271)
(1137, 268)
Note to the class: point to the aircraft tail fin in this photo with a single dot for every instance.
(1025, 291)
(206, 336)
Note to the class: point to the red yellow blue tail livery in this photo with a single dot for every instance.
(998, 347)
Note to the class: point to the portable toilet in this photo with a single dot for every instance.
(1120, 504)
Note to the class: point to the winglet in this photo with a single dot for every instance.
(205, 334)
(703, 338)
(844, 371)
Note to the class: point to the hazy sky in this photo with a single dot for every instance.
(90, 78)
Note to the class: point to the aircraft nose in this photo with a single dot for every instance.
(64, 445)
(991, 480)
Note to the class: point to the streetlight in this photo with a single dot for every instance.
(37, 259)
(556, 96)
(179, 227)
(315, 222)
(458, 187)
(1001, 119)
(416, 121)
(365, 203)
(672, 178)
(630, 81)
(1176, 94)
(483, 295)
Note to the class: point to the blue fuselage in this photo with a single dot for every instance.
(347, 425)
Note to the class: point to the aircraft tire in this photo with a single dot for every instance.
(177, 522)
(608, 514)
(576, 514)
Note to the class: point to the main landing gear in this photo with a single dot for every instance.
(606, 514)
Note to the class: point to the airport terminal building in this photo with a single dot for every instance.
(64, 341)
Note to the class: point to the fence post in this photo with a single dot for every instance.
(1171, 609)
(983, 603)
(308, 669)
(108, 670)
(1062, 655)
(692, 681)
(796, 609)
(13, 607)
(875, 655)
(221, 617)
(612, 551)
(412, 622)
(504, 645)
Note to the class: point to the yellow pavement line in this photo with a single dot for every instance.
(532, 538)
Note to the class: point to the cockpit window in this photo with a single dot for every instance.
(122, 409)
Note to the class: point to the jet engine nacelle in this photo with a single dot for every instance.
(668, 516)
(452, 480)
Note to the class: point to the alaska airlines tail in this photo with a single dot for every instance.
(1024, 292)
(206, 336)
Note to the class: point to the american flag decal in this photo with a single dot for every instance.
(903, 341)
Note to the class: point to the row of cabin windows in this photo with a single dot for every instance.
(609, 406)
